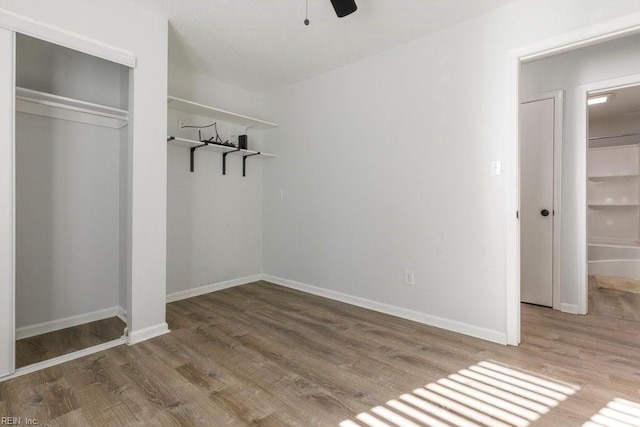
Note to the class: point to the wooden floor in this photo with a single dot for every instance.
(53, 344)
(261, 354)
(608, 302)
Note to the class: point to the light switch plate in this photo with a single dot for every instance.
(496, 167)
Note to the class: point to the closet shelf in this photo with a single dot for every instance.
(635, 143)
(602, 178)
(620, 135)
(617, 243)
(218, 114)
(59, 107)
(599, 206)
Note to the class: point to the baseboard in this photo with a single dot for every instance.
(65, 358)
(177, 296)
(67, 322)
(569, 308)
(148, 333)
(122, 314)
(416, 316)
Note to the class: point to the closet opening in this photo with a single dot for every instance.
(613, 202)
(72, 201)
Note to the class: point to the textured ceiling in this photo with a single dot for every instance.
(624, 101)
(262, 45)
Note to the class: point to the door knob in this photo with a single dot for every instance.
(544, 212)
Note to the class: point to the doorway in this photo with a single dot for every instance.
(71, 145)
(613, 202)
(65, 236)
(573, 273)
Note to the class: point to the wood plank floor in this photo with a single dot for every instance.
(261, 354)
(608, 302)
(53, 344)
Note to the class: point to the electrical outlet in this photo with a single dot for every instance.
(281, 194)
(409, 278)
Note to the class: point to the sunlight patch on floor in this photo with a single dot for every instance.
(617, 413)
(488, 393)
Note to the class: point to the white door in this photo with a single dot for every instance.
(7, 343)
(536, 201)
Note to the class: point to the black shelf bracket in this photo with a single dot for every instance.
(224, 160)
(192, 155)
(244, 162)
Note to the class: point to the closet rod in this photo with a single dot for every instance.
(594, 138)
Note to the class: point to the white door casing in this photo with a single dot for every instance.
(565, 42)
(7, 235)
(10, 24)
(537, 200)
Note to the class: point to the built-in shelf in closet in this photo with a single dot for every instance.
(59, 107)
(612, 205)
(217, 114)
(614, 192)
(615, 243)
(603, 178)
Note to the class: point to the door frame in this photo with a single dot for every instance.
(49, 33)
(608, 30)
(19, 24)
(558, 133)
(583, 135)
(7, 206)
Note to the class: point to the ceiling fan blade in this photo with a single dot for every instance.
(344, 7)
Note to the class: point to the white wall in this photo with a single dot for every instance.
(124, 219)
(214, 221)
(55, 69)
(130, 26)
(67, 202)
(616, 125)
(569, 71)
(385, 165)
(187, 84)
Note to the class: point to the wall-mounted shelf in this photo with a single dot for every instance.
(603, 178)
(225, 150)
(611, 141)
(616, 243)
(621, 135)
(59, 107)
(599, 206)
(218, 114)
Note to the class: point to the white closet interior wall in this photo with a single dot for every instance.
(124, 198)
(621, 124)
(605, 159)
(71, 192)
